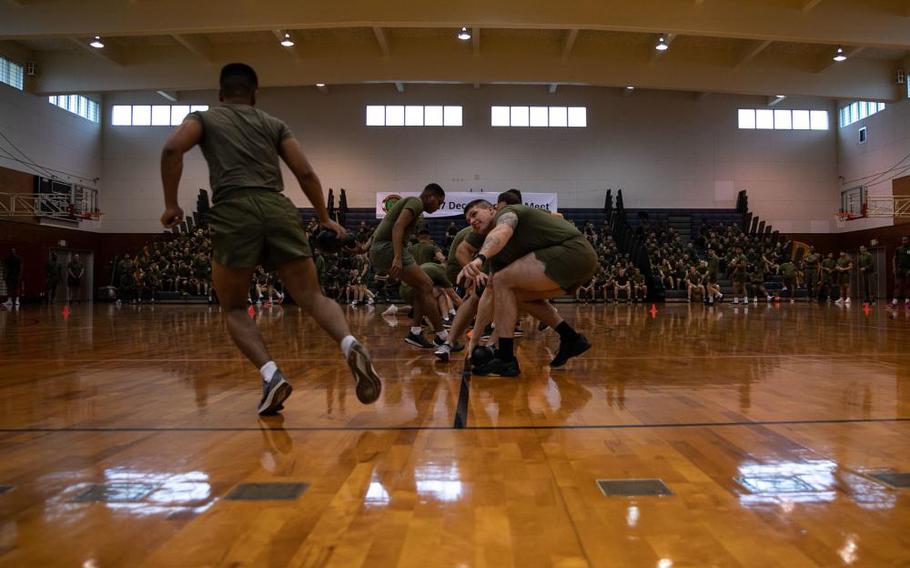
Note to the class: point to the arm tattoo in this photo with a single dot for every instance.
(492, 241)
(510, 219)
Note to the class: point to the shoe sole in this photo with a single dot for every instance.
(274, 401)
(588, 346)
(413, 343)
(369, 383)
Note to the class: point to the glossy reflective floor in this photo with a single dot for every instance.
(766, 424)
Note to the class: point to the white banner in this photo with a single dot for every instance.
(456, 200)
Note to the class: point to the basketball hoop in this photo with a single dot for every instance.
(841, 218)
(91, 215)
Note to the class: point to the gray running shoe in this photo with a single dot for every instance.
(274, 393)
(369, 383)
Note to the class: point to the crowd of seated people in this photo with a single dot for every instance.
(180, 265)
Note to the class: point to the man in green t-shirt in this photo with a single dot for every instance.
(389, 255)
(739, 264)
(866, 273)
(534, 256)
(901, 265)
(828, 282)
(425, 250)
(253, 223)
(788, 272)
(842, 269)
(813, 274)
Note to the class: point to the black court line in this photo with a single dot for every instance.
(434, 428)
(461, 411)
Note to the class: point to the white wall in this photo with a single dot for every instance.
(887, 144)
(50, 136)
(663, 149)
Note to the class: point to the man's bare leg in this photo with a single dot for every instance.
(463, 315)
(424, 305)
(232, 286)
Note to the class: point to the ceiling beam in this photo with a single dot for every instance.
(569, 42)
(751, 52)
(808, 5)
(871, 23)
(382, 41)
(475, 41)
(106, 53)
(198, 46)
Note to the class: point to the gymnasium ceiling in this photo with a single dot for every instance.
(760, 47)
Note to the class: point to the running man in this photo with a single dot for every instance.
(253, 223)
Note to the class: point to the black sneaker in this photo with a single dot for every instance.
(438, 341)
(542, 326)
(518, 332)
(487, 332)
(369, 383)
(446, 323)
(442, 352)
(418, 340)
(496, 367)
(274, 393)
(569, 349)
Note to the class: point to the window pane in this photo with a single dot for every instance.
(413, 115)
(142, 115)
(764, 119)
(746, 118)
(578, 117)
(819, 119)
(782, 120)
(881, 107)
(375, 115)
(518, 116)
(161, 115)
(452, 116)
(559, 117)
(199, 108)
(432, 116)
(539, 116)
(394, 115)
(499, 116)
(178, 113)
(121, 115)
(863, 109)
(800, 120)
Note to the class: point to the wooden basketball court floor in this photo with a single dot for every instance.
(128, 437)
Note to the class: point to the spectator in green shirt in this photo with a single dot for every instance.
(901, 265)
(866, 273)
(788, 272)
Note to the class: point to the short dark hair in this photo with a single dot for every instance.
(435, 189)
(477, 202)
(510, 197)
(238, 80)
(423, 231)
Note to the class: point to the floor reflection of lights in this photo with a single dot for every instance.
(439, 482)
(167, 494)
(786, 483)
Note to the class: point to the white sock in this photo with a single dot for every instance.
(416, 330)
(442, 334)
(268, 370)
(347, 343)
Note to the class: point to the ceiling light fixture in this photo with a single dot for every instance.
(287, 41)
(839, 55)
(661, 44)
(320, 85)
(630, 88)
(97, 43)
(464, 34)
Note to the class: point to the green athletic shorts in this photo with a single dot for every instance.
(382, 254)
(569, 264)
(255, 226)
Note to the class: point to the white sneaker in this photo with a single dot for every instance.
(392, 310)
(847, 301)
(770, 298)
(839, 301)
(792, 300)
(755, 300)
(894, 303)
(735, 300)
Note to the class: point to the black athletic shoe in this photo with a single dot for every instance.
(518, 332)
(438, 341)
(274, 393)
(369, 383)
(418, 340)
(442, 352)
(487, 332)
(569, 349)
(446, 323)
(496, 367)
(542, 326)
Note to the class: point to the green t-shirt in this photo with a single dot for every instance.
(828, 264)
(713, 265)
(384, 230)
(866, 261)
(240, 144)
(436, 273)
(788, 270)
(452, 264)
(741, 264)
(424, 252)
(812, 260)
(902, 258)
(843, 262)
(537, 229)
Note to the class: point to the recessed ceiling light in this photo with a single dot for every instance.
(97, 43)
(661, 44)
(287, 41)
(464, 34)
(839, 55)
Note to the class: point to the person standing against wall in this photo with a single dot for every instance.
(52, 278)
(813, 275)
(13, 266)
(866, 273)
(842, 270)
(901, 265)
(74, 271)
